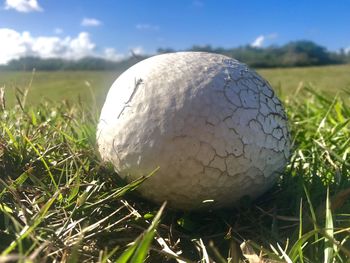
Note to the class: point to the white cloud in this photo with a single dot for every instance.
(13, 44)
(16, 44)
(90, 22)
(111, 54)
(347, 50)
(147, 27)
(259, 41)
(24, 6)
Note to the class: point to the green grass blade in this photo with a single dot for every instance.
(27, 230)
(138, 251)
(123, 190)
(300, 249)
(312, 210)
(18, 182)
(294, 251)
(127, 254)
(75, 191)
(11, 136)
(106, 257)
(144, 245)
(42, 159)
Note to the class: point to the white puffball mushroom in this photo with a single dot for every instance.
(214, 127)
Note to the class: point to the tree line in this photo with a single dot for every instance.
(292, 54)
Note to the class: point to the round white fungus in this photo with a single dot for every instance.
(213, 126)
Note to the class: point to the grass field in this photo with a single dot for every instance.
(59, 85)
(59, 203)
(330, 79)
(82, 84)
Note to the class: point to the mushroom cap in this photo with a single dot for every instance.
(214, 127)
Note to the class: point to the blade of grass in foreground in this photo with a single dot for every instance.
(312, 211)
(41, 158)
(27, 230)
(139, 250)
(328, 250)
(123, 190)
(19, 181)
(300, 249)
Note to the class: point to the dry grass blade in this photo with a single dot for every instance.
(203, 249)
(167, 250)
(329, 248)
(2, 98)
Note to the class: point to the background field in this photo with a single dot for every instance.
(58, 85)
(58, 201)
(73, 85)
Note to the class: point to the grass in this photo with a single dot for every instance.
(58, 85)
(59, 203)
(79, 85)
(326, 78)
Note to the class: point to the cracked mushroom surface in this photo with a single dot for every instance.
(213, 126)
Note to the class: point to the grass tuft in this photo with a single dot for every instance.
(60, 203)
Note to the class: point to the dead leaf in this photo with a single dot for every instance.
(249, 253)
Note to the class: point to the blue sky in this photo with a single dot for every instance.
(111, 28)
